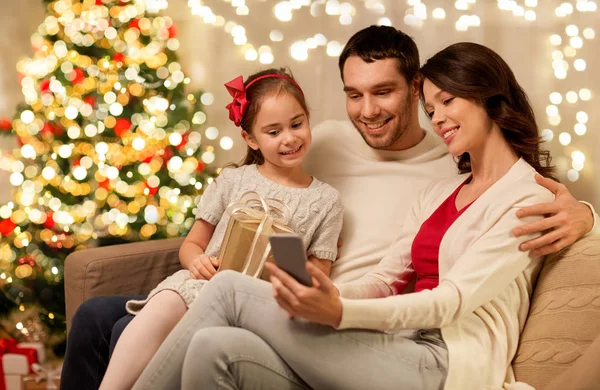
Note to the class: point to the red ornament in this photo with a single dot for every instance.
(7, 226)
(58, 129)
(135, 23)
(148, 159)
(200, 167)
(78, 75)
(104, 184)
(89, 99)
(184, 138)
(122, 126)
(151, 190)
(99, 2)
(45, 86)
(172, 31)
(77, 162)
(49, 224)
(5, 124)
(166, 156)
(52, 129)
(47, 129)
(119, 57)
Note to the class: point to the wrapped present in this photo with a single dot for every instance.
(16, 361)
(44, 378)
(252, 219)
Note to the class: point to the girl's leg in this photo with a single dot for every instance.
(141, 338)
(235, 358)
(323, 357)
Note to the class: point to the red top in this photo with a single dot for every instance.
(426, 245)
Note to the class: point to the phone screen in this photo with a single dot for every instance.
(290, 256)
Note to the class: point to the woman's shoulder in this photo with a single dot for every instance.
(520, 186)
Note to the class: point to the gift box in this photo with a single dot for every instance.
(252, 219)
(16, 361)
(44, 378)
(31, 384)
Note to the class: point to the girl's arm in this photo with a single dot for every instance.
(191, 253)
(323, 264)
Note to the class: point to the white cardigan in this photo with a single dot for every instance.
(482, 300)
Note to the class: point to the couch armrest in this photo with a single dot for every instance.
(125, 269)
(564, 317)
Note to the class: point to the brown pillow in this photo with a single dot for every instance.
(564, 317)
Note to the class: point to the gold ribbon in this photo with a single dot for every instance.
(268, 213)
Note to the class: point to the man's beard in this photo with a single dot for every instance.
(390, 137)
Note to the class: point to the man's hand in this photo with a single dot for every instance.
(567, 220)
(203, 267)
(319, 304)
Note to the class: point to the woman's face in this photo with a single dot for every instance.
(463, 124)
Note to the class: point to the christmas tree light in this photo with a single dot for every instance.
(110, 148)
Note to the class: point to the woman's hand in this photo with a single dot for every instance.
(320, 303)
(203, 267)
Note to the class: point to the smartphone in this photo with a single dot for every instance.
(290, 256)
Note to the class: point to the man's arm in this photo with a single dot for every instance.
(567, 220)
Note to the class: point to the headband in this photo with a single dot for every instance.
(237, 108)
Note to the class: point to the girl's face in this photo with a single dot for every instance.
(463, 124)
(281, 131)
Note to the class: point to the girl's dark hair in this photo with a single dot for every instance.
(475, 72)
(257, 93)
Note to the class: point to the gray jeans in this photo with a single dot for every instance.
(234, 336)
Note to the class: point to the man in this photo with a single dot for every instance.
(379, 162)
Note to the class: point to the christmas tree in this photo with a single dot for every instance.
(109, 146)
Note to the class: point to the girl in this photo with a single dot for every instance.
(458, 328)
(271, 110)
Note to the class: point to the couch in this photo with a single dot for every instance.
(564, 317)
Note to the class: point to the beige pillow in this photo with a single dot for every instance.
(564, 317)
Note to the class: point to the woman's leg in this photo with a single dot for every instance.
(320, 355)
(141, 338)
(235, 358)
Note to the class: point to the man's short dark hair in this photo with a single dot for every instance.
(382, 42)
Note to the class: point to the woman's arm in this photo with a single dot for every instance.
(394, 272)
(484, 270)
(191, 253)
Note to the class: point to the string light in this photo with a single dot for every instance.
(85, 168)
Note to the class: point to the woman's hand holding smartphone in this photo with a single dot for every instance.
(300, 287)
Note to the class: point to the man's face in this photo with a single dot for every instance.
(379, 101)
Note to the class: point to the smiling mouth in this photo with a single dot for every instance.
(291, 151)
(450, 132)
(377, 125)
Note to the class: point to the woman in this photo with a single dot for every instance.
(458, 329)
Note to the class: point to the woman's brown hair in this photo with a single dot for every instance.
(472, 71)
(270, 86)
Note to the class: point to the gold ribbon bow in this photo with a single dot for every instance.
(268, 215)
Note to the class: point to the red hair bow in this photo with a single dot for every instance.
(240, 104)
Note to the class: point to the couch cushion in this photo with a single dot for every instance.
(564, 317)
